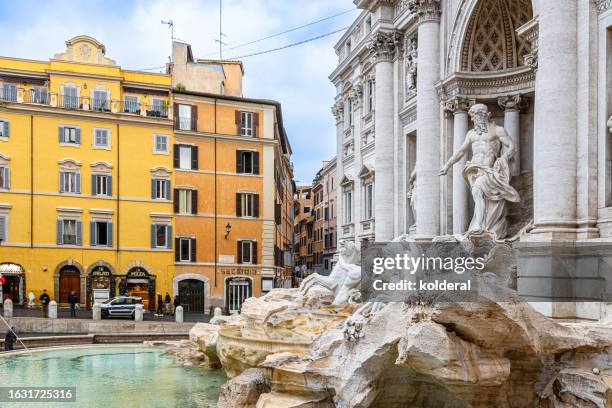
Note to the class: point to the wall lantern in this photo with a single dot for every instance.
(228, 229)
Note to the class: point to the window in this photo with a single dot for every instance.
(246, 128)
(160, 189)
(4, 177)
(369, 201)
(4, 128)
(130, 104)
(69, 232)
(159, 107)
(101, 185)
(160, 144)
(100, 101)
(370, 92)
(161, 236)
(185, 157)
(3, 228)
(101, 233)
(186, 250)
(9, 92)
(247, 205)
(101, 138)
(186, 203)
(39, 95)
(349, 113)
(69, 135)
(247, 162)
(247, 252)
(184, 118)
(368, 29)
(70, 99)
(348, 207)
(70, 182)
(348, 47)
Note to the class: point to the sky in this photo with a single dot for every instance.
(134, 36)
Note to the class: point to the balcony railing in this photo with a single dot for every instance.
(42, 96)
(182, 123)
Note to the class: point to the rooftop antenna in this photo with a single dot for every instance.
(221, 35)
(170, 24)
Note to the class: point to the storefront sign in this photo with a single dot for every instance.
(240, 271)
(137, 273)
(10, 269)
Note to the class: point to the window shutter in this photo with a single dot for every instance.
(254, 252)
(7, 183)
(109, 186)
(238, 122)
(61, 181)
(79, 231)
(60, 232)
(78, 135)
(109, 233)
(94, 189)
(2, 229)
(177, 161)
(6, 129)
(255, 162)
(277, 213)
(238, 205)
(239, 165)
(78, 183)
(177, 250)
(194, 157)
(60, 134)
(176, 201)
(194, 201)
(239, 252)
(194, 117)
(152, 235)
(153, 189)
(169, 236)
(168, 197)
(92, 234)
(255, 205)
(193, 250)
(256, 124)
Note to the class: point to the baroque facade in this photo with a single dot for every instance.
(408, 73)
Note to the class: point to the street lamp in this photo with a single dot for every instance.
(228, 229)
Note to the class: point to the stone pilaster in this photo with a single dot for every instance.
(459, 108)
(428, 118)
(383, 47)
(338, 112)
(512, 106)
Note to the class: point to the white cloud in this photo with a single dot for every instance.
(135, 37)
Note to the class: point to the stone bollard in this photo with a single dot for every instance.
(53, 309)
(96, 311)
(138, 313)
(8, 308)
(218, 312)
(178, 314)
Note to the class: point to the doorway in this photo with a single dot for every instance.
(69, 281)
(191, 295)
(237, 290)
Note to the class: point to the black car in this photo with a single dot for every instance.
(120, 306)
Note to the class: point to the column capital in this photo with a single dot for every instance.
(513, 102)
(602, 5)
(337, 110)
(384, 45)
(426, 10)
(458, 104)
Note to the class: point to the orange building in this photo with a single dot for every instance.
(233, 187)
(304, 230)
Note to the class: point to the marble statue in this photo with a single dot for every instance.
(488, 172)
(610, 124)
(411, 67)
(412, 195)
(343, 280)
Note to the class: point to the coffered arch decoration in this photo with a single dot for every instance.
(490, 42)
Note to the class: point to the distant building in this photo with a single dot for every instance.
(303, 229)
(324, 206)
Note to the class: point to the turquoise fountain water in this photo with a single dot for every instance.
(113, 377)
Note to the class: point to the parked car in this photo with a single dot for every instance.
(120, 306)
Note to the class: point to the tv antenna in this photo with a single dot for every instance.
(170, 24)
(221, 35)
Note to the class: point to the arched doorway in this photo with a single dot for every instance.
(191, 295)
(100, 284)
(69, 281)
(12, 282)
(237, 290)
(139, 282)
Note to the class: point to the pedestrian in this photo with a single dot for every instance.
(9, 339)
(168, 299)
(44, 301)
(72, 299)
(177, 302)
(160, 304)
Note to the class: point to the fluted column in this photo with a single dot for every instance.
(338, 112)
(428, 118)
(512, 123)
(461, 217)
(383, 47)
(555, 130)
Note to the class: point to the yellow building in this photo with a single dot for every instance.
(85, 177)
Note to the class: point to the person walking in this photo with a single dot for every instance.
(72, 300)
(44, 301)
(160, 305)
(177, 302)
(9, 339)
(168, 301)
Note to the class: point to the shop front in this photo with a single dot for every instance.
(12, 282)
(237, 290)
(139, 282)
(100, 285)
